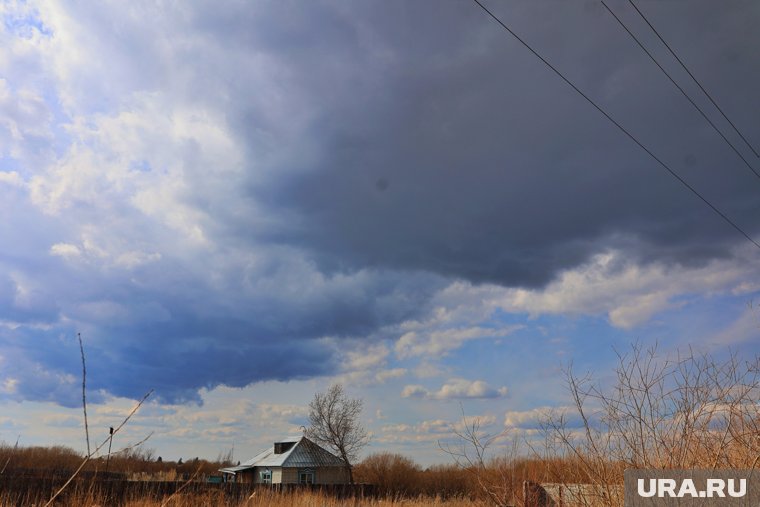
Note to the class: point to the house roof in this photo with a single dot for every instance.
(304, 453)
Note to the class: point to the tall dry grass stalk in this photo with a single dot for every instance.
(84, 393)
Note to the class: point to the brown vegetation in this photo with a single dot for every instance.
(132, 464)
(397, 476)
(260, 498)
(690, 411)
(397, 479)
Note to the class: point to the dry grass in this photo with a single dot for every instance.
(398, 480)
(261, 498)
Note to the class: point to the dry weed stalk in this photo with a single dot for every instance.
(97, 449)
(84, 391)
(15, 447)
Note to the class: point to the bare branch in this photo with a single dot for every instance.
(89, 455)
(680, 412)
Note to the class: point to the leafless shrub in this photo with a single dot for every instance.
(226, 458)
(681, 412)
(495, 475)
(394, 475)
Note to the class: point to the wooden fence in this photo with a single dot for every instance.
(24, 490)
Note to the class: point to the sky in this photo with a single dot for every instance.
(238, 204)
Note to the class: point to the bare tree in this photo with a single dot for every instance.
(334, 423)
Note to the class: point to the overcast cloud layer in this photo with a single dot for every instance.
(224, 194)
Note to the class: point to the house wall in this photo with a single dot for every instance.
(253, 476)
(322, 475)
(289, 475)
(247, 476)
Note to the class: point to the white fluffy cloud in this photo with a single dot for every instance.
(527, 419)
(436, 343)
(456, 388)
(627, 292)
(11, 178)
(431, 430)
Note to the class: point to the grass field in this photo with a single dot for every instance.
(260, 498)
(99, 492)
(29, 476)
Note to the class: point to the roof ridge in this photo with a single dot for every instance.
(304, 453)
(314, 453)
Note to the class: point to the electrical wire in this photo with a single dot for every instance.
(618, 125)
(672, 52)
(715, 128)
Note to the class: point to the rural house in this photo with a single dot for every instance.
(292, 460)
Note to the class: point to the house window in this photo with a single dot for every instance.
(306, 476)
(266, 476)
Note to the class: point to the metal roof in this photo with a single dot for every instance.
(304, 453)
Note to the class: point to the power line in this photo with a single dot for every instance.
(693, 78)
(618, 125)
(715, 128)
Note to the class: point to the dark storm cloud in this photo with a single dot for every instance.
(492, 169)
(167, 328)
(388, 149)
